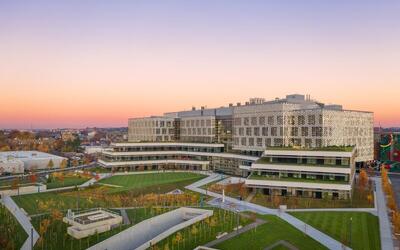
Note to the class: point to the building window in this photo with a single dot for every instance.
(238, 121)
(291, 120)
(311, 120)
(316, 131)
(248, 131)
(261, 120)
(304, 131)
(254, 121)
(274, 131)
(241, 131)
(279, 119)
(294, 131)
(246, 121)
(202, 123)
(243, 141)
(270, 120)
(256, 131)
(301, 119)
(264, 131)
(251, 141)
(278, 142)
(259, 142)
(268, 142)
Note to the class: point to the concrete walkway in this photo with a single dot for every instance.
(283, 243)
(23, 221)
(368, 210)
(384, 222)
(235, 204)
(125, 217)
(93, 180)
(230, 235)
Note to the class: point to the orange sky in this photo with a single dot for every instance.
(100, 67)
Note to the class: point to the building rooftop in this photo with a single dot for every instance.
(26, 155)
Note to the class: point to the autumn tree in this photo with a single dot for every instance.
(15, 183)
(363, 179)
(63, 164)
(33, 178)
(50, 165)
(178, 238)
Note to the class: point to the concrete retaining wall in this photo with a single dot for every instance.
(149, 232)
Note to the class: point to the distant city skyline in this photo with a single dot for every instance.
(83, 63)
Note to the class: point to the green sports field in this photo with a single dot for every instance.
(154, 180)
(364, 227)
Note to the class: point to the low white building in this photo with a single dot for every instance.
(29, 160)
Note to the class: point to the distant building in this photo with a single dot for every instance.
(68, 135)
(29, 160)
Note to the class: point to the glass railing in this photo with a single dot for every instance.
(277, 178)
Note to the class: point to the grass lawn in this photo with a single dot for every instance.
(143, 181)
(203, 231)
(12, 235)
(68, 181)
(108, 197)
(267, 234)
(61, 200)
(364, 227)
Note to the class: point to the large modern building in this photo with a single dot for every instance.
(232, 139)
(296, 120)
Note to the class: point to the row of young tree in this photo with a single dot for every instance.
(391, 201)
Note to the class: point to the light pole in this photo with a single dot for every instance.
(351, 221)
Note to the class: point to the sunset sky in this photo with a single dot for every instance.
(97, 63)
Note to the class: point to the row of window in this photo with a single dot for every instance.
(151, 123)
(198, 131)
(276, 142)
(281, 131)
(198, 123)
(278, 120)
